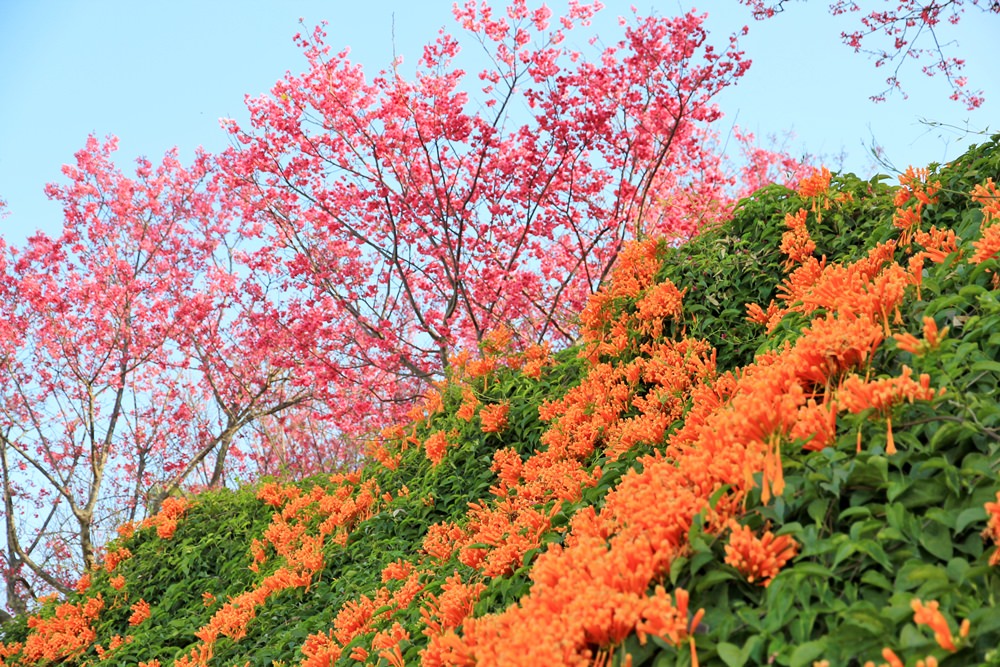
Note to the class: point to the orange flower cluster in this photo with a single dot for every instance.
(988, 196)
(914, 188)
(83, 583)
(335, 510)
(165, 521)
(759, 558)
(634, 272)
(113, 558)
(442, 616)
(536, 358)
(441, 540)
(769, 318)
(386, 642)
(858, 395)
(929, 615)
(988, 245)
(494, 417)
(796, 242)
(140, 612)
(436, 446)
(815, 184)
(9, 651)
(937, 244)
(993, 528)
(431, 404)
(499, 348)
(116, 642)
(918, 347)
(67, 633)
(469, 404)
(658, 303)
(359, 617)
(277, 495)
(126, 530)
(871, 288)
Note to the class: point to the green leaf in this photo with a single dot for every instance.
(937, 540)
(807, 653)
(970, 516)
(731, 654)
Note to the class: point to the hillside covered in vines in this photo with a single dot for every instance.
(774, 444)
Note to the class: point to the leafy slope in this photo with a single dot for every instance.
(815, 482)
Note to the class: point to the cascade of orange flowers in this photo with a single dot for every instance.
(335, 511)
(65, 634)
(591, 592)
(734, 429)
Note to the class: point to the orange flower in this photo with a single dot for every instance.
(113, 558)
(440, 540)
(759, 559)
(469, 403)
(908, 220)
(126, 530)
(173, 507)
(497, 340)
(83, 583)
(117, 582)
(494, 417)
(858, 395)
(931, 340)
(450, 609)
(508, 466)
(536, 358)
(770, 318)
(140, 612)
(988, 246)
(815, 184)
(166, 528)
(914, 183)
(988, 196)
(929, 615)
(436, 446)
(660, 302)
(275, 495)
(320, 650)
(397, 570)
(890, 656)
(480, 367)
(796, 242)
(937, 243)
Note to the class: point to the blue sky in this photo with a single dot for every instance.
(161, 74)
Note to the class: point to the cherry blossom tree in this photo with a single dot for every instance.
(407, 217)
(905, 30)
(132, 360)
